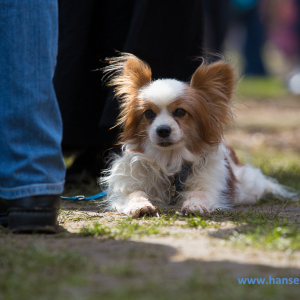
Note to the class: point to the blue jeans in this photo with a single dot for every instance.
(31, 161)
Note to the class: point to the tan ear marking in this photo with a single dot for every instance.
(127, 74)
(217, 76)
(138, 72)
(212, 87)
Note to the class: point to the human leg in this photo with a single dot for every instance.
(31, 163)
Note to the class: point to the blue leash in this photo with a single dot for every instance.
(83, 198)
(178, 180)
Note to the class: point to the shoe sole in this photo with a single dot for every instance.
(4, 221)
(31, 222)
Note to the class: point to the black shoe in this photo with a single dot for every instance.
(30, 214)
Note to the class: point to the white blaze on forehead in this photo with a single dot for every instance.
(163, 91)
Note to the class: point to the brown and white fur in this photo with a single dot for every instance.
(166, 123)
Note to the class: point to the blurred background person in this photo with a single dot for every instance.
(243, 21)
(263, 36)
(217, 19)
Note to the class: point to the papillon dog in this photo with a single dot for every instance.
(173, 150)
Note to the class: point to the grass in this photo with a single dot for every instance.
(120, 270)
(276, 235)
(198, 286)
(249, 216)
(261, 87)
(253, 227)
(34, 271)
(259, 229)
(197, 221)
(130, 228)
(125, 229)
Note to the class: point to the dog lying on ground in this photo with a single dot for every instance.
(173, 145)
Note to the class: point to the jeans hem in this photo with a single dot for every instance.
(32, 190)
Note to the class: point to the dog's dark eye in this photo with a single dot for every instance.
(179, 112)
(149, 114)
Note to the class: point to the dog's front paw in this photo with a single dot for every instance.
(196, 204)
(139, 205)
(138, 209)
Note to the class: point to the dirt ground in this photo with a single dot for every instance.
(270, 122)
(196, 244)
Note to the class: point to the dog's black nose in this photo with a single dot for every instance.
(163, 131)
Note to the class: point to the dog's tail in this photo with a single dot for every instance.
(252, 185)
(279, 190)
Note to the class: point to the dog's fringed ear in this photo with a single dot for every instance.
(127, 74)
(138, 72)
(215, 78)
(216, 83)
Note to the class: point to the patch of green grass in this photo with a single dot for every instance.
(125, 229)
(250, 216)
(200, 285)
(170, 218)
(261, 87)
(164, 219)
(276, 235)
(34, 271)
(121, 270)
(197, 221)
(260, 229)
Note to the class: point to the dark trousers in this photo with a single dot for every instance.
(166, 34)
